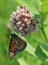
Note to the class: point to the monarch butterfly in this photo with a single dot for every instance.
(16, 45)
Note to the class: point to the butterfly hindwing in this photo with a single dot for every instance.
(16, 45)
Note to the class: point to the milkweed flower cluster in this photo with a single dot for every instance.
(22, 21)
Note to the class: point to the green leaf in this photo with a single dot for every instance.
(42, 5)
(45, 63)
(30, 49)
(40, 53)
(44, 46)
(22, 61)
(38, 35)
(29, 60)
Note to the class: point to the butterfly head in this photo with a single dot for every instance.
(13, 35)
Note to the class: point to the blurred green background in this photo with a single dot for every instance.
(36, 52)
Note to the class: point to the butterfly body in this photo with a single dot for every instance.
(16, 45)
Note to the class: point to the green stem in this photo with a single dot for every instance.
(42, 29)
(44, 34)
(19, 2)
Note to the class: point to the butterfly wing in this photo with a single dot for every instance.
(16, 45)
(22, 44)
(12, 47)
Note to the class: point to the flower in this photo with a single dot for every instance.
(22, 21)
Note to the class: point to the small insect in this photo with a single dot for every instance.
(16, 45)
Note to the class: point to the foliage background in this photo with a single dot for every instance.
(36, 52)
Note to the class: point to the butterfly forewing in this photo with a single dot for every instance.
(22, 44)
(16, 45)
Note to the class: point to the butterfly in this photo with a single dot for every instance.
(16, 45)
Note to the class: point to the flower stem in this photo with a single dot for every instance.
(19, 2)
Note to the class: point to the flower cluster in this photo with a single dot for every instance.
(22, 21)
